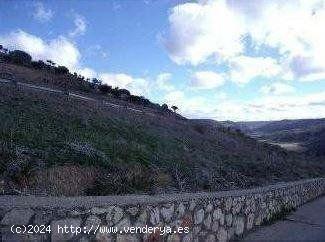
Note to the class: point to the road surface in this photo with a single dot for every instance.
(306, 224)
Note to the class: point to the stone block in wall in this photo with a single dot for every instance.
(199, 216)
(250, 221)
(43, 217)
(92, 221)
(174, 238)
(127, 238)
(167, 212)
(239, 225)
(133, 210)
(228, 204)
(222, 235)
(207, 221)
(218, 215)
(180, 211)
(210, 238)
(154, 215)
(114, 215)
(228, 219)
(57, 235)
(17, 217)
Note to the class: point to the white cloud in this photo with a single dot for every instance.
(80, 26)
(206, 80)
(87, 72)
(277, 88)
(262, 108)
(163, 82)
(245, 68)
(60, 50)
(198, 31)
(218, 29)
(41, 14)
(137, 86)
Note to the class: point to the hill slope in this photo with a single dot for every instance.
(307, 135)
(53, 144)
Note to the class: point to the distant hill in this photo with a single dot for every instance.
(304, 135)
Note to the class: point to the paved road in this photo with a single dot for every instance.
(306, 224)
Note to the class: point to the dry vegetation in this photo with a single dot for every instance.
(55, 145)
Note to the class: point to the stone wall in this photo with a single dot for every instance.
(220, 216)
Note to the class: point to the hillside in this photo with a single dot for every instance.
(57, 145)
(303, 135)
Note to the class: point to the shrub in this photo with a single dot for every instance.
(96, 82)
(124, 92)
(38, 64)
(105, 88)
(164, 107)
(20, 57)
(61, 70)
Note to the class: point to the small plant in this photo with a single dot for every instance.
(284, 211)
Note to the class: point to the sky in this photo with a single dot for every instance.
(217, 59)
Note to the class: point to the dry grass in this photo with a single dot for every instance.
(67, 180)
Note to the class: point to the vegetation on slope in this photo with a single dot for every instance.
(307, 133)
(53, 144)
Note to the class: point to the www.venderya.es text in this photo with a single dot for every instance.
(94, 229)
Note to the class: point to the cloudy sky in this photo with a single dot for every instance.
(219, 59)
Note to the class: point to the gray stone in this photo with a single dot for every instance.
(207, 221)
(196, 230)
(18, 217)
(127, 238)
(154, 216)
(8, 236)
(209, 208)
(228, 219)
(210, 238)
(57, 227)
(188, 238)
(192, 205)
(250, 221)
(43, 217)
(167, 213)
(114, 215)
(236, 208)
(239, 224)
(180, 210)
(142, 219)
(133, 210)
(84, 239)
(61, 213)
(97, 210)
(231, 233)
(125, 222)
(218, 215)
(222, 235)
(79, 212)
(228, 204)
(104, 237)
(215, 226)
(258, 220)
(173, 238)
(199, 216)
(92, 221)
